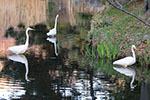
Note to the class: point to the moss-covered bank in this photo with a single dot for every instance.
(113, 32)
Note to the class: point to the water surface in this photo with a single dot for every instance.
(40, 74)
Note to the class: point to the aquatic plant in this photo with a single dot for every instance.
(108, 50)
(87, 50)
(101, 49)
(93, 53)
(117, 37)
(146, 56)
(115, 50)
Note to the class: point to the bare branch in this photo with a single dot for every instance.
(119, 8)
(118, 4)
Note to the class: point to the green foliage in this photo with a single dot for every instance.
(108, 50)
(117, 32)
(87, 50)
(101, 49)
(114, 50)
(146, 56)
(93, 53)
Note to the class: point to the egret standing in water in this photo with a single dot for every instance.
(21, 48)
(53, 31)
(127, 60)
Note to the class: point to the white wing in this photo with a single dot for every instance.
(52, 32)
(18, 49)
(125, 61)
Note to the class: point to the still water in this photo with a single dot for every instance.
(57, 68)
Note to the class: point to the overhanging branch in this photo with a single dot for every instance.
(119, 8)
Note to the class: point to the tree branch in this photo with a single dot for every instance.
(118, 4)
(119, 8)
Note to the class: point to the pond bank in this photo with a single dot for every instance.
(113, 32)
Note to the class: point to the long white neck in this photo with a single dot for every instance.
(131, 83)
(133, 53)
(27, 38)
(56, 21)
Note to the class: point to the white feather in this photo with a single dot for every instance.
(127, 61)
(21, 48)
(53, 31)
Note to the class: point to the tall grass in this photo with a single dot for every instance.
(115, 50)
(87, 50)
(146, 56)
(108, 48)
(101, 49)
(93, 53)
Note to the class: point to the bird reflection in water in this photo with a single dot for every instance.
(22, 59)
(128, 72)
(53, 40)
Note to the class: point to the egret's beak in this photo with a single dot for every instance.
(32, 29)
(136, 49)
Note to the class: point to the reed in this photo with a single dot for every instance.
(114, 50)
(101, 49)
(87, 50)
(93, 52)
(108, 50)
(146, 56)
(108, 45)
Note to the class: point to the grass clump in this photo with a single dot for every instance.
(116, 31)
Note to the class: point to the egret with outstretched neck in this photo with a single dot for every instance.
(20, 49)
(53, 31)
(127, 61)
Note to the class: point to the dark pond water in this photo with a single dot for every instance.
(40, 74)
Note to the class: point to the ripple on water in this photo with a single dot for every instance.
(11, 89)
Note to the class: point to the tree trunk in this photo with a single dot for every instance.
(147, 6)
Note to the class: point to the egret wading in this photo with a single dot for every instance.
(127, 61)
(53, 31)
(20, 49)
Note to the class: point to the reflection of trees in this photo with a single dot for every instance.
(40, 85)
(50, 78)
(127, 94)
(145, 91)
(51, 12)
(47, 74)
(35, 37)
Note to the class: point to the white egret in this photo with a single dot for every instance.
(53, 31)
(21, 48)
(53, 40)
(128, 72)
(21, 59)
(127, 60)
